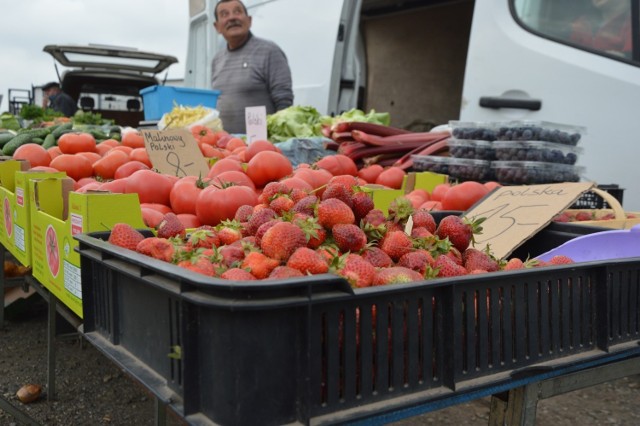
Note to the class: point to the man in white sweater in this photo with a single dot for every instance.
(250, 72)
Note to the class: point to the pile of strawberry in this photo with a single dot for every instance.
(291, 233)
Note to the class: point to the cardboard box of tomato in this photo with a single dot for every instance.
(57, 214)
(15, 233)
(382, 197)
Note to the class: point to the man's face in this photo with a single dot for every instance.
(233, 22)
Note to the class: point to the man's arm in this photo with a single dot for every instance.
(280, 86)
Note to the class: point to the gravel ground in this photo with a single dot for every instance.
(91, 390)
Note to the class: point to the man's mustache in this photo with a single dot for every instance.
(234, 23)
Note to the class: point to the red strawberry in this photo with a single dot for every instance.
(362, 205)
(158, 248)
(258, 218)
(229, 231)
(513, 264)
(396, 244)
(199, 264)
(347, 181)
(349, 237)
(377, 257)
(281, 240)
(340, 192)
(333, 211)
(582, 216)
(448, 268)
(396, 275)
(563, 217)
(560, 259)
(418, 260)
(125, 236)
(281, 272)
(423, 218)
(421, 232)
(281, 204)
(475, 259)
(231, 254)
(237, 274)
(272, 189)
(375, 217)
(459, 231)
(243, 213)
(171, 226)
(357, 271)
(308, 261)
(400, 209)
(204, 238)
(306, 205)
(259, 265)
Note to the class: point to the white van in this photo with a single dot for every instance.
(428, 62)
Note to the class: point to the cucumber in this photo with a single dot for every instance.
(62, 129)
(23, 138)
(49, 141)
(6, 137)
(37, 140)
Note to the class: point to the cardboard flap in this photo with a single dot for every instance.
(8, 169)
(513, 214)
(51, 196)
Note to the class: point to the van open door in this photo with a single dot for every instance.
(319, 40)
(523, 64)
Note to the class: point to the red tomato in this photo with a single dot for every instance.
(258, 146)
(215, 205)
(431, 205)
(491, 185)
(317, 178)
(141, 155)
(132, 139)
(91, 186)
(76, 166)
(189, 220)
(103, 149)
(391, 177)
(91, 156)
(234, 143)
(82, 182)
(370, 173)
(204, 134)
(437, 194)
(150, 186)
(74, 142)
(109, 142)
(54, 151)
(268, 166)
(223, 165)
(107, 166)
(338, 164)
(43, 169)
(35, 154)
(184, 194)
(151, 217)
(234, 177)
(421, 193)
(115, 186)
(463, 195)
(127, 169)
(164, 209)
(296, 182)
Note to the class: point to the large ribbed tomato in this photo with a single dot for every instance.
(217, 204)
(150, 186)
(268, 166)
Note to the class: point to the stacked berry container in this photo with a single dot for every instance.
(534, 152)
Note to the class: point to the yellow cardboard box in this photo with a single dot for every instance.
(15, 234)
(382, 197)
(57, 214)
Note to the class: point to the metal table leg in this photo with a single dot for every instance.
(22, 417)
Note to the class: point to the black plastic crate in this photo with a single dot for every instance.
(591, 200)
(316, 351)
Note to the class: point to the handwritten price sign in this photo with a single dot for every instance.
(175, 152)
(256, 123)
(515, 213)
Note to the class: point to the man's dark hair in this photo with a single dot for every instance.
(50, 85)
(215, 11)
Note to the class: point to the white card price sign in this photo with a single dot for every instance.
(256, 123)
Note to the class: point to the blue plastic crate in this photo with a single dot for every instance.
(159, 100)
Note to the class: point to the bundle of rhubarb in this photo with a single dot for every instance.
(370, 143)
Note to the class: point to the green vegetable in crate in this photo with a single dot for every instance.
(25, 137)
(9, 122)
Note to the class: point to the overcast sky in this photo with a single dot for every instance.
(159, 26)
